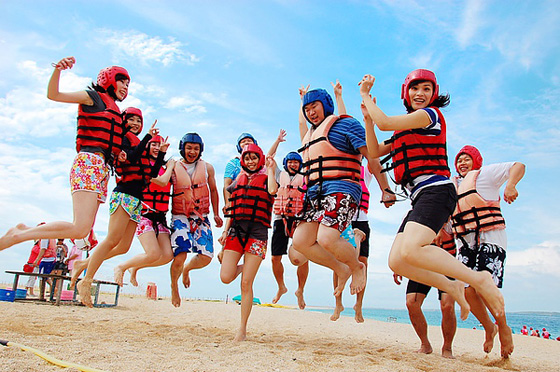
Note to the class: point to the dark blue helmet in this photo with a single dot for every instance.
(292, 155)
(243, 136)
(322, 96)
(190, 138)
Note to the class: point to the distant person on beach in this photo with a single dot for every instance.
(333, 147)
(524, 330)
(545, 333)
(480, 231)
(418, 153)
(152, 231)
(38, 251)
(60, 265)
(416, 294)
(194, 193)
(288, 204)
(98, 143)
(246, 229)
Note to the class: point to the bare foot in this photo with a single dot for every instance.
(175, 297)
(358, 316)
(486, 287)
(79, 266)
(424, 349)
(458, 294)
(11, 236)
(447, 353)
(489, 341)
(300, 300)
(506, 341)
(132, 279)
(343, 277)
(281, 291)
(84, 290)
(118, 275)
(186, 279)
(240, 336)
(336, 313)
(358, 279)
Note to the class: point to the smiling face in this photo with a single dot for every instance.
(464, 164)
(293, 166)
(315, 112)
(122, 89)
(251, 161)
(192, 152)
(420, 94)
(154, 149)
(134, 123)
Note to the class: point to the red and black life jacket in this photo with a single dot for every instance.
(156, 198)
(364, 201)
(289, 198)
(448, 243)
(250, 199)
(104, 129)
(139, 171)
(324, 162)
(414, 153)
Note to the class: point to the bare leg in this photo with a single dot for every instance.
(302, 264)
(197, 262)
(85, 206)
(152, 253)
(448, 325)
(304, 242)
(278, 271)
(338, 307)
(251, 264)
(479, 311)
(166, 256)
(414, 303)
(358, 315)
(230, 268)
(175, 271)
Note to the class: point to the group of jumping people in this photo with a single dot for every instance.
(319, 199)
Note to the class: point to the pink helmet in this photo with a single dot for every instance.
(107, 77)
(416, 75)
(473, 153)
(251, 147)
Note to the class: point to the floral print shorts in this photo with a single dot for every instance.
(191, 235)
(485, 257)
(146, 225)
(253, 246)
(90, 173)
(130, 204)
(335, 210)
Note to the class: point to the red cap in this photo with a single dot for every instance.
(473, 153)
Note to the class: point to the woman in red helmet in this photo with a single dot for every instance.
(246, 229)
(98, 142)
(419, 161)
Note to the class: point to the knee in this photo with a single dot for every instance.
(246, 285)
(296, 262)
(447, 307)
(81, 232)
(325, 242)
(276, 259)
(226, 278)
(413, 305)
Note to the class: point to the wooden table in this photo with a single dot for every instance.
(57, 282)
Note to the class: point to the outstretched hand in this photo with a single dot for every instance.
(270, 162)
(164, 145)
(337, 88)
(153, 130)
(366, 84)
(281, 136)
(65, 63)
(303, 91)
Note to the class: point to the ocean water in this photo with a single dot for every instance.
(516, 320)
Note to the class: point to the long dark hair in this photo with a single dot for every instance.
(442, 100)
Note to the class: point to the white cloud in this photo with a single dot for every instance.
(470, 22)
(143, 48)
(542, 259)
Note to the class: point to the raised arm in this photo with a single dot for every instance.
(53, 91)
(271, 173)
(214, 196)
(274, 147)
(417, 119)
(341, 108)
(375, 149)
(516, 173)
(303, 128)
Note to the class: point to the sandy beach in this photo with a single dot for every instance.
(148, 335)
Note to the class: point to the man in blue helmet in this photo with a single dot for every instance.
(332, 152)
(194, 194)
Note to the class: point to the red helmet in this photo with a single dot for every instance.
(134, 111)
(107, 77)
(473, 153)
(157, 138)
(416, 75)
(251, 147)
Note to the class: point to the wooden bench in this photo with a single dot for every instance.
(57, 282)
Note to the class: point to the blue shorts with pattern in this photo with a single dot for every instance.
(130, 204)
(191, 235)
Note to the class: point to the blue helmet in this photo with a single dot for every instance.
(322, 96)
(243, 136)
(190, 138)
(292, 155)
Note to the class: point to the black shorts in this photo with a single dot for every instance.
(415, 287)
(279, 241)
(60, 266)
(432, 207)
(364, 227)
(485, 257)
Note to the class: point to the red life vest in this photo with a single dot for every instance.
(448, 243)
(364, 201)
(289, 198)
(156, 198)
(473, 212)
(324, 162)
(414, 153)
(191, 194)
(134, 141)
(250, 199)
(101, 129)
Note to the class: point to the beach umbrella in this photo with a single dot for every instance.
(237, 299)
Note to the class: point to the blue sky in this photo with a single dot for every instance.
(224, 67)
